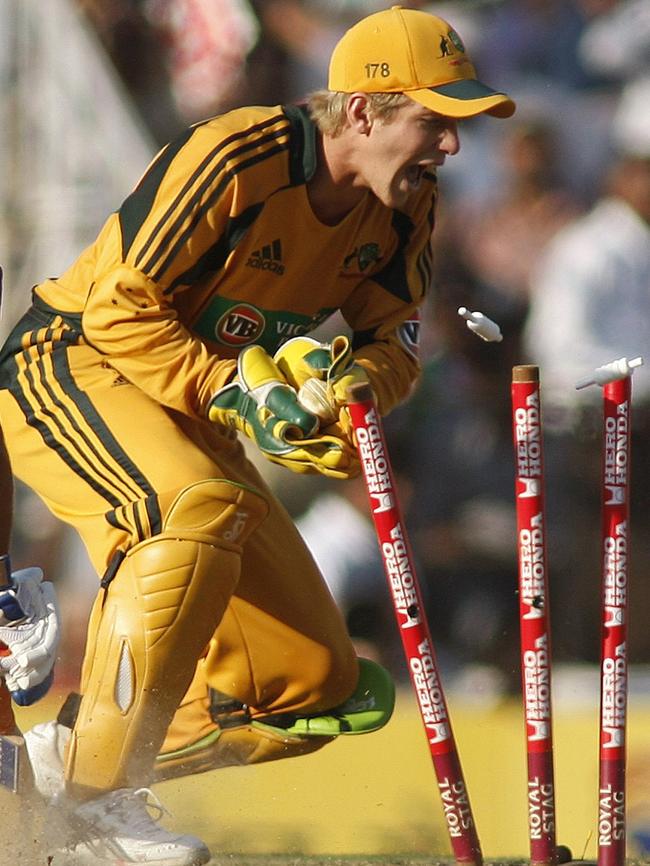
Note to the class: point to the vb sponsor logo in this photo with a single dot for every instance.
(240, 325)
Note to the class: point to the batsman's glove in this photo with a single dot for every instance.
(321, 373)
(261, 403)
(30, 631)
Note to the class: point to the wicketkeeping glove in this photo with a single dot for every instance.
(262, 404)
(29, 629)
(321, 373)
(328, 453)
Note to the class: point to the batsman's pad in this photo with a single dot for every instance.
(261, 404)
(240, 740)
(321, 373)
(148, 629)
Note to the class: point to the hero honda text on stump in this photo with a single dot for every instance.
(614, 622)
(534, 621)
(616, 381)
(413, 627)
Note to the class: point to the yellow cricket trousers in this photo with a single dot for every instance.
(109, 460)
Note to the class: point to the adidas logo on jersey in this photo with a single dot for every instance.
(268, 258)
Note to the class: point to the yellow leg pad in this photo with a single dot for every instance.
(234, 747)
(157, 618)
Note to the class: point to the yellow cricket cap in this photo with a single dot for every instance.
(410, 51)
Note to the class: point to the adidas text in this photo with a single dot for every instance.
(268, 258)
(265, 265)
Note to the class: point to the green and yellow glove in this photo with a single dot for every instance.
(328, 453)
(321, 374)
(262, 404)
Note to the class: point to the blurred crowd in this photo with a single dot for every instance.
(543, 225)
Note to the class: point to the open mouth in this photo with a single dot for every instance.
(414, 175)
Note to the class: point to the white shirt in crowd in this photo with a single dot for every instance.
(590, 302)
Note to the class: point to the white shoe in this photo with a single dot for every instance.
(46, 745)
(117, 828)
(113, 829)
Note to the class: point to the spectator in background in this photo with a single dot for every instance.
(307, 31)
(590, 294)
(616, 42)
(536, 44)
(206, 44)
(139, 58)
(500, 239)
(589, 306)
(306, 35)
(181, 60)
(542, 38)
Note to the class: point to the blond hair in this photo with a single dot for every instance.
(327, 108)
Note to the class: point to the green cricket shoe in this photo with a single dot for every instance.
(367, 709)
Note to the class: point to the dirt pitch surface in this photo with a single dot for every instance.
(406, 860)
(259, 860)
(31, 858)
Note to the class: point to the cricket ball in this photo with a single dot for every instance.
(313, 396)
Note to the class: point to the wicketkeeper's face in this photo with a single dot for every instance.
(400, 150)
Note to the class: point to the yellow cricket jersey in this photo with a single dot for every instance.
(218, 248)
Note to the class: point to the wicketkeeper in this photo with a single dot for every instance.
(214, 640)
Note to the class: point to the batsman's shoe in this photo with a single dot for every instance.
(117, 828)
(46, 744)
